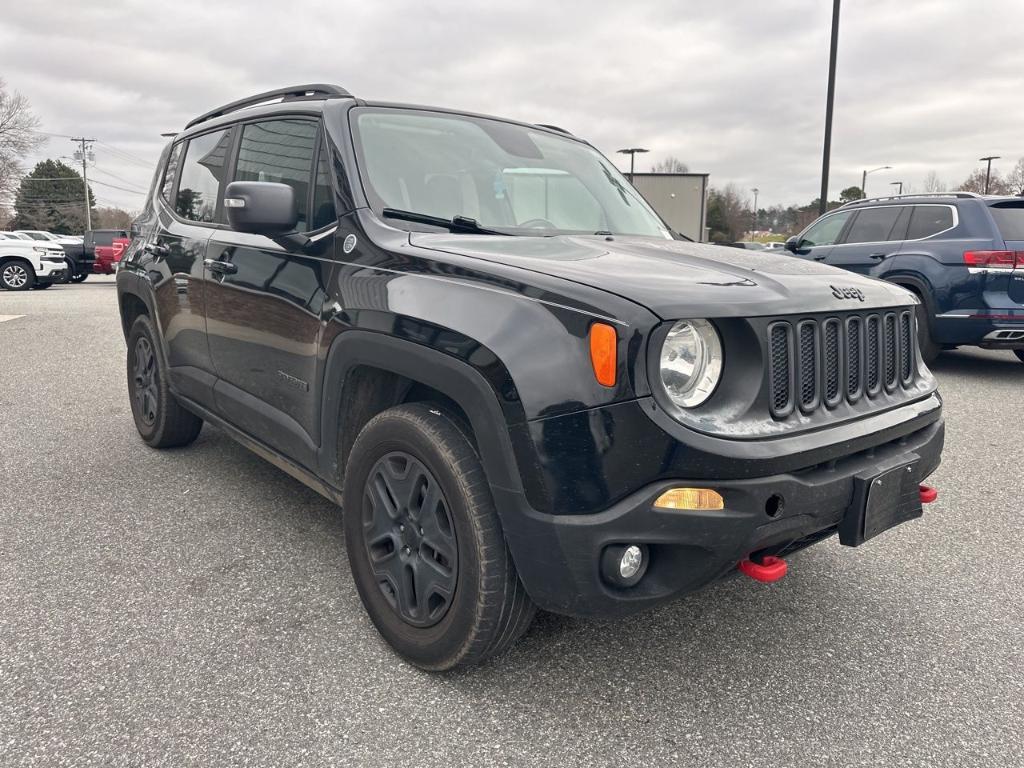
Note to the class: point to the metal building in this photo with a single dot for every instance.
(679, 198)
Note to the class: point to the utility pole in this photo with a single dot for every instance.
(988, 169)
(755, 190)
(632, 152)
(895, 184)
(83, 153)
(829, 99)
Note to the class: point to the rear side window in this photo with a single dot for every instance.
(201, 175)
(280, 151)
(103, 238)
(323, 194)
(928, 220)
(873, 225)
(167, 186)
(1010, 220)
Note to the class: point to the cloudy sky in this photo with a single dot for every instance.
(734, 88)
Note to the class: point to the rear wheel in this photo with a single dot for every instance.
(160, 419)
(425, 544)
(80, 277)
(16, 275)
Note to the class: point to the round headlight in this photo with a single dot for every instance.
(691, 362)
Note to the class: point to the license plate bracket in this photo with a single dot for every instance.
(882, 500)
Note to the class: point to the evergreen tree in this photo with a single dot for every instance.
(52, 198)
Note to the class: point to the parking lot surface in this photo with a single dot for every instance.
(194, 607)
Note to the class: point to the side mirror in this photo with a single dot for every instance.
(261, 207)
(792, 244)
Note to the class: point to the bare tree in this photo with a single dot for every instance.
(976, 183)
(932, 183)
(112, 218)
(670, 164)
(1015, 179)
(18, 137)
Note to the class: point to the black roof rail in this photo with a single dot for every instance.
(911, 194)
(294, 93)
(553, 128)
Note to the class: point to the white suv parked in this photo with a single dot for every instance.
(26, 264)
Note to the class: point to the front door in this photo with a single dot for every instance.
(265, 301)
(817, 241)
(873, 236)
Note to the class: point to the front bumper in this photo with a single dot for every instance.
(558, 556)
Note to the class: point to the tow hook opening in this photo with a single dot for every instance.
(768, 570)
(928, 494)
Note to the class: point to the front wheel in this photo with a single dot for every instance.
(16, 276)
(159, 417)
(425, 545)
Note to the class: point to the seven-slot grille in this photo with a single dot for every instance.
(816, 363)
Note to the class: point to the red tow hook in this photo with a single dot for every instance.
(768, 570)
(928, 494)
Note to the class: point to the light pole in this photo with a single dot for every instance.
(895, 183)
(864, 177)
(829, 100)
(632, 152)
(988, 169)
(755, 190)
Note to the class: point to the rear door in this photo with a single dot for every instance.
(264, 302)
(872, 236)
(189, 211)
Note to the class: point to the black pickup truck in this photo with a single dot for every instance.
(523, 389)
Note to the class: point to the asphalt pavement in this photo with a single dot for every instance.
(194, 607)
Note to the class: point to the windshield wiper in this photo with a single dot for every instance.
(457, 224)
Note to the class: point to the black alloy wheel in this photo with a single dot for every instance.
(410, 539)
(144, 377)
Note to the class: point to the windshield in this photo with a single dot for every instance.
(508, 178)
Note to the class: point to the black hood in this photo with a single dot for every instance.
(677, 279)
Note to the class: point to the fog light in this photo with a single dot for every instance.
(630, 562)
(624, 564)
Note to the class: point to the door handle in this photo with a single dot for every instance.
(156, 249)
(819, 258)
(878, 256)
(220, 267)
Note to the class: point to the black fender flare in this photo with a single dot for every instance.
(450, 376)
(918, 286)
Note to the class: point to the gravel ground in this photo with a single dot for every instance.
(194, 607)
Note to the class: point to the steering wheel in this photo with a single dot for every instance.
(538, 224)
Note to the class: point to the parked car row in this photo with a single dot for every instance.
(961, 254)
(26, 256)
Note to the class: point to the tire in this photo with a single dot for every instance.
(70, 274)
(1020, 354)
(17, 275)
(159, 418)
(80, 277)
(418, 453)
(929, 349)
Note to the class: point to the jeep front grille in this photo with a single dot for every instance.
(820, 363)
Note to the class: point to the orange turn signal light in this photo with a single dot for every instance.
(603, 344)
(690, 498)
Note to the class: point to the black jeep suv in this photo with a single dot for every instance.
(962, 254)
(522, 388)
